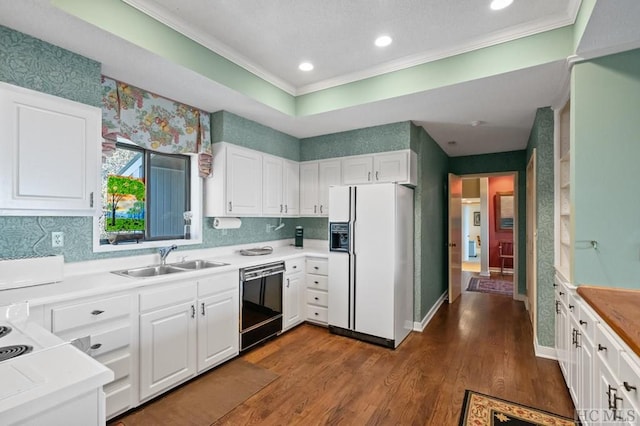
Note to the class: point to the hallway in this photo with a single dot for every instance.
(482, 342)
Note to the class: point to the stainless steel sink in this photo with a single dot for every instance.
(149, 271)
(198, 264)
(156, 270)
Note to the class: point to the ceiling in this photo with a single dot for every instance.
(270, 38)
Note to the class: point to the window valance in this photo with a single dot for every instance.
(154, 122)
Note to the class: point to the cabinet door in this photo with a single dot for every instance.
(309, 189)
(561, 337)
(244, 182)
(586, 374)
(609, 395)
(50, 154)
(218, 334)
(291, 188)
(272, 185)
(392, 167)
(329, 173)
(167, 347)
(293, 300)
(357, 170)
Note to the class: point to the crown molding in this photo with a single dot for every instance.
(161, 15)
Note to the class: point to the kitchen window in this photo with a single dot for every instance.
(147, 199)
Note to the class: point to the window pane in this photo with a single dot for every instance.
(168, 195)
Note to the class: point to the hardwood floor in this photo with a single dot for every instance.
(482, 342)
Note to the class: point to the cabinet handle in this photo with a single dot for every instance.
(316, 298)
(583, 322)
(320, 208)
(377, 178)
(96, 346)
(601, 348)
(286, 208)
(315, 313)
(316, 268)
(578, 334)
(97, 312)
(230, 206)
(91, 199)
(294, 267)
(281, 208)
(561, 293)
(555, 285)
(557, 307)
(369, 177)
(193, 311)
(571, 307)
(287, 282)
(202, 308)
(315, 209)
(316, 282)
(628, 387)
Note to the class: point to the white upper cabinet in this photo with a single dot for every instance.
(235, 189)
(280, 186)
(395, 166)
(291, 193)
(329, 173)
(357, 170)
(50, 154)
(309, 188)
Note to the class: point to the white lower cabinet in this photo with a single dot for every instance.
(317, 297)
(218, 302)
(167, 337)
(293, 294)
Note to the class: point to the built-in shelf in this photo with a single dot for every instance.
(563, 158)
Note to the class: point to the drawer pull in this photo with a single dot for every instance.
(315, 313)
(316, 282)
(193, 311)
(571, 307)
(601, 348)
(561, 293)
(628, 387)
(557, 307)
(555, 285)
(316, 298)
(295, 267)
(583, 322)
(97, 312)
(316, 268)
(202, 305)
(96, 346)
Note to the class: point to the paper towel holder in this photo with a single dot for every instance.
(226, 222)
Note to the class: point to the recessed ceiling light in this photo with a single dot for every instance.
(383, 41)
(500, 4)
(305, 66)
(477, 123)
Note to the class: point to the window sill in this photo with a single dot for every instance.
(105, 248)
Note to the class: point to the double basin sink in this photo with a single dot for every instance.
(156, 270)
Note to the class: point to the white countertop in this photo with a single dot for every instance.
(92, 278)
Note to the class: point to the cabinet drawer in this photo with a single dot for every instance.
(294, 265)
(108, 341)
(319, 298)
(218, 283)
(121, 367)
(630, 378)
(317, 282)
(317, 313)
(607, 348)
(118, 400)
(319, 267)
(89, 313)
(173, 295)
(587, 321)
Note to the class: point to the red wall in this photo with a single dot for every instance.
(497, 184)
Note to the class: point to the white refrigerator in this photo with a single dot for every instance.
(371, 262)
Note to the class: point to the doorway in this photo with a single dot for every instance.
(487, 220)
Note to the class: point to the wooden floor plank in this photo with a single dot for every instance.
(482, 342)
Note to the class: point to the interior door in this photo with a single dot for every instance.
(455, 237)
(532, 236)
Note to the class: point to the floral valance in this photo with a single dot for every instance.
(154, 123)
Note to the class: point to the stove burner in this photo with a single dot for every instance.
(8, 352)
(4, 330)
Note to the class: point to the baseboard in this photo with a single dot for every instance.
(420, 326)
(544, 351)
(522, 298)
(496, 270)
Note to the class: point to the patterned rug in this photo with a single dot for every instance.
(487, 285)
(484, 410)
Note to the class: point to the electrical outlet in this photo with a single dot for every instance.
(57, 239)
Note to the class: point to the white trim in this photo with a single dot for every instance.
(421, 325)
(160, 14)
(544, 351)
(520, 297)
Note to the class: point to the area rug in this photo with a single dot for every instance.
(483, 410)
(487, 285)
(203, 400)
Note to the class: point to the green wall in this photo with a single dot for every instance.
(514, 161)
(605, 149)
(430, 222)
(387, 137)
(541, 138)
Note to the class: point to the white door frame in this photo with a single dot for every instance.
(532, 242)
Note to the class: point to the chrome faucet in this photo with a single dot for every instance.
(164, 252)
